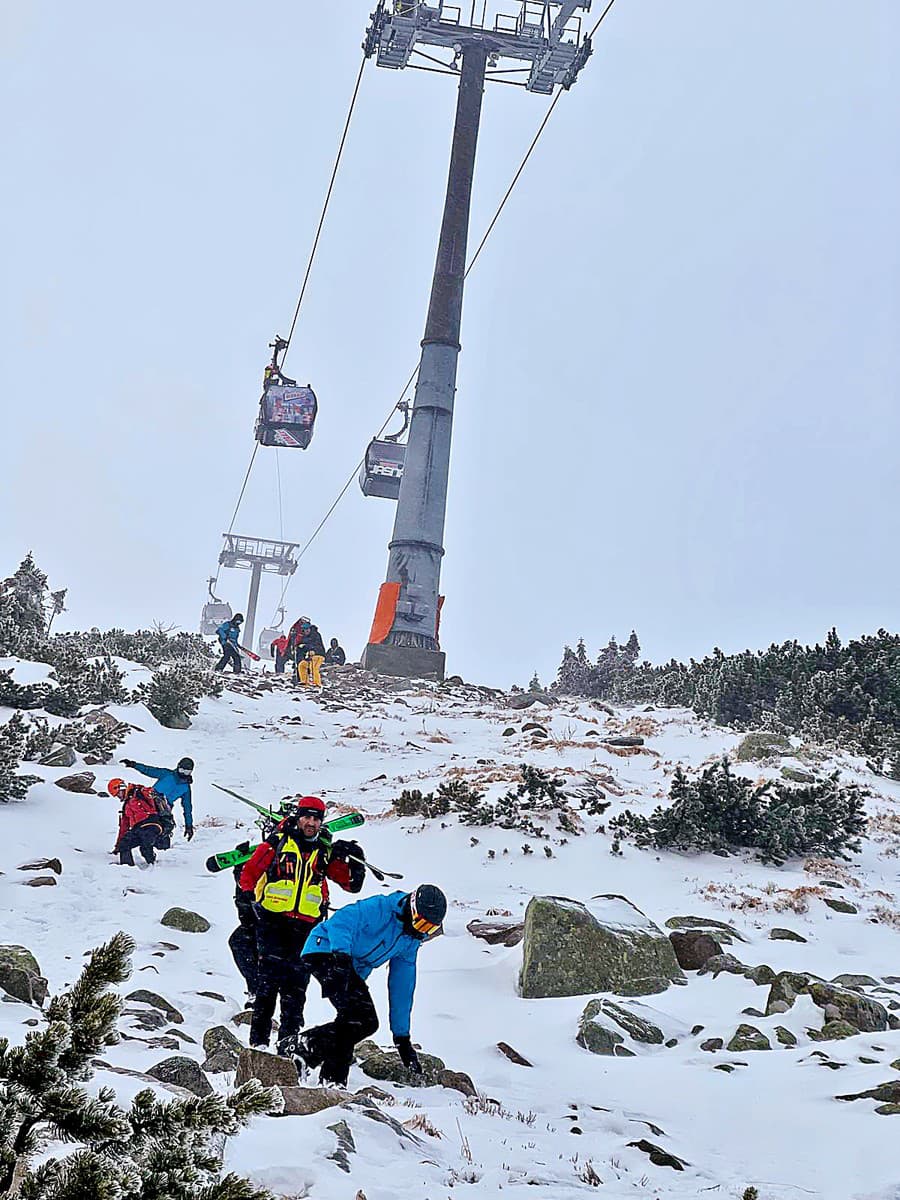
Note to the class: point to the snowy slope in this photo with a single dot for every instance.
(773, 1123)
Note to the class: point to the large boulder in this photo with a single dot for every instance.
(693, 948)
(223, 1050)
(270, 1069)
(304, 1101)
(867, 1015)
(185, 920)
(83, 782)
(21, 976)
(763, 745)
(570, 949)
(183, 1072)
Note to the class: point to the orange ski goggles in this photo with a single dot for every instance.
(427, 929)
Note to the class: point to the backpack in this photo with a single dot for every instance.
(164, 812)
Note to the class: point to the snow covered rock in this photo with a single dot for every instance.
(21, 976)
(761, 744)
(154, 1000)
(867, 1015)
(60, 756)
(748, 1037)
(720, 930)
(785, 989)
(570, 949)
(596, 1035)
(498, 932)
(304, 1101)
(386, 1065)
(785, 935)
(223, 1050)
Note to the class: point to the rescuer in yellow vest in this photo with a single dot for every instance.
(288, 876)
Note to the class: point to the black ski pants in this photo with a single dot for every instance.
(280, 972)
(229, 655)
(281, 660)
(331, 1046)
(242, 944)
(146, 837)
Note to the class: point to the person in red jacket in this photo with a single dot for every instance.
(279, 651)
(288, 874)
(145, 821)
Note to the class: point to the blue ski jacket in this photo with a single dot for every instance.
(172, 786)
(371, 932)
(227, 633)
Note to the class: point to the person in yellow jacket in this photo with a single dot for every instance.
(288, 876)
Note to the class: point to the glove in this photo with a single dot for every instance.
(408, 1056)
(128, 762)
(188, 832)
(342, 850)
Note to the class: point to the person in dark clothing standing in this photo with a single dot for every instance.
(242, 942)
(308, 650)
(288, 874)
(341, 954)
(228, 634)
(334, 655)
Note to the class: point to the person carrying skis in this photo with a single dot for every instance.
(174, 785)
(309, 651)
(341, 954)
(279, 651)
(228, 634)
(288, 874)
(145, 821)
(334, 655)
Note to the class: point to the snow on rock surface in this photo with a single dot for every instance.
(571, 1119)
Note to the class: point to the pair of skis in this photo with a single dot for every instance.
(241, 854)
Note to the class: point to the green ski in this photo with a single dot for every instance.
(240, 854)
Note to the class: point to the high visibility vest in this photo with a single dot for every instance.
(290, 884)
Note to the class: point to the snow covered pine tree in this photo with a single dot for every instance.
(153, 1150)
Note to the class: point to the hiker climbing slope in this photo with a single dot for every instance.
(174, 784)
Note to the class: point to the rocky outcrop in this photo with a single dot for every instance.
(570, 949)
(20, 975)
(185, 920)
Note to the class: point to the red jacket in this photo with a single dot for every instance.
(280, 644)
(337, 870)
(139, 804)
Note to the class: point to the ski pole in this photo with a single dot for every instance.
(376, 871)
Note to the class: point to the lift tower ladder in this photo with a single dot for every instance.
(257, 555)
(548, 39)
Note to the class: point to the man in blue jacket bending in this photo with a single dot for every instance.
(344, 950)
(173, 785)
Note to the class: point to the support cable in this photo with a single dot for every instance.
(315, 245)
(239, 499)
(469, 267)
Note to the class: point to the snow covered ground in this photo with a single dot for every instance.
(550, 1131)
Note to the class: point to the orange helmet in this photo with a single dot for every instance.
(114, 786)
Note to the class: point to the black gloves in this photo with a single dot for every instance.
(342, 850)
(188, 832)
(408, 1056)
(128, 762)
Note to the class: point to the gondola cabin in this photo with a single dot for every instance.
(382, 469)
(266, 638)
(214, 613)
(287, 416)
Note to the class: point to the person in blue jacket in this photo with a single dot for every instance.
(228, 634)
(344, 950)
(173, 785)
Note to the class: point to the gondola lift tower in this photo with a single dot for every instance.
(544, 42)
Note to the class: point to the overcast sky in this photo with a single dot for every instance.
(677, 404)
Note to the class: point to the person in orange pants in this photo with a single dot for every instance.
(309, 652)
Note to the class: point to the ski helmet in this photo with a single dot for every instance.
(310, 806)
(185, 765)
(115, 786)
(427, 909)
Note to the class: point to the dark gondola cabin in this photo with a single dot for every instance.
(287, 416)
(382, 469)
